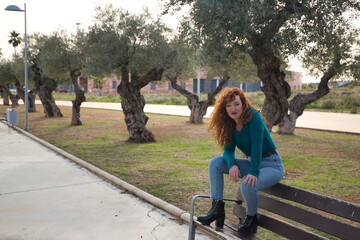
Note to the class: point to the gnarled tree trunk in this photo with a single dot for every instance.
(299, 102)
(198, 108)
(21, 95)
(31, 101)
(14, 100)
(132, 103)
(79, 98)
(6, 94)
(275, 88)
(44, 87)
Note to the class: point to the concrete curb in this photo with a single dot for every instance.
(169, 208)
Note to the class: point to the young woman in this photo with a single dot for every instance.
(236, 123)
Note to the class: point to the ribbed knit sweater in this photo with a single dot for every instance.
(253, 140)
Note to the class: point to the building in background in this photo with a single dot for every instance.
(293, 78)
(109, 87)
(164, 87)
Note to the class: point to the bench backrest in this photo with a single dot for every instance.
(307, 208)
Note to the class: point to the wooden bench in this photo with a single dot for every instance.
(294, 214)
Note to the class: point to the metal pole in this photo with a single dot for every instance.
(26, 78)
(192, 226)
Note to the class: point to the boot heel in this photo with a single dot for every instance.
(216, 212)
(220, 222)
(255, 229)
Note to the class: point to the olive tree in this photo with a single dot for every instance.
(338, 61)
(44, 85)
(223, 64)
(7, 77)
(12, 72)
(60, 58)
(135, 48)
(271, 31)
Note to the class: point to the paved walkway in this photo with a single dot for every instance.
(45, 196)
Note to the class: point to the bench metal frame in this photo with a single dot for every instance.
(192, 226)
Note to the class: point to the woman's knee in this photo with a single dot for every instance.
(247, 189)
(216, 162)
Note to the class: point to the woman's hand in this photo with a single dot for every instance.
(234, 173)
(250, 179)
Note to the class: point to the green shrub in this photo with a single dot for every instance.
(351, 101)
(354, 110)
(329, 104)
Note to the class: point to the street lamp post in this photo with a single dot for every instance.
(17, 9)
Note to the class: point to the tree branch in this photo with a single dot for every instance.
(154, 74)
(212, 95)
(74, 77)
(299, 102)
(181, 90)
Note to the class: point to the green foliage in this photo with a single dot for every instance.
(319, 32)
(287, 27)
(6, 74)
(184, 63)
(166, 99)
(119, 40)
(99, 82)
(12, 71)
(354, 110)
(215, 57)
(56, 55)
(237, 65)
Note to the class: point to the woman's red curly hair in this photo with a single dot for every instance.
(221, 125)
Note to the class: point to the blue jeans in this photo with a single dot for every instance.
(271, 172)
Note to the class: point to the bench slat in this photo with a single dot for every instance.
(334, 206)
(280, 227)
(310, 219)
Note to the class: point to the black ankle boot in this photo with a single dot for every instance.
(249, 226)
(217, 212)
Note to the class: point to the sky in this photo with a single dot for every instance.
(47, 16)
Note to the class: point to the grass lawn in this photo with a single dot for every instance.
(176, 166)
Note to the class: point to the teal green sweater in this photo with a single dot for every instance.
(253, 140)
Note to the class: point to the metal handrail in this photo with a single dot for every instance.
(192, 227)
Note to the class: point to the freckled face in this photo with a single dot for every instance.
(234, 108)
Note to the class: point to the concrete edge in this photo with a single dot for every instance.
(167, 207)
